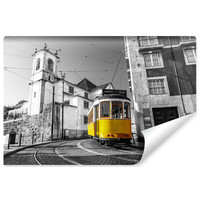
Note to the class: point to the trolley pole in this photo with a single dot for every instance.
(63, 78)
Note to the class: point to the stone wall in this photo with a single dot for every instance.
(37, 128)
(33, 129)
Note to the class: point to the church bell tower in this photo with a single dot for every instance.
(44, 74)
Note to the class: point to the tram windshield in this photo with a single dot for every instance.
(117, 110)
(126, 110)
(105, 109)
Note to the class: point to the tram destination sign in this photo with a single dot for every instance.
(115, 92)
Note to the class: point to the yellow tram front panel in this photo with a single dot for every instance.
(115, 128)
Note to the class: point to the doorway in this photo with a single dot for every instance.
(162, 115)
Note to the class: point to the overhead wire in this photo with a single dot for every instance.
(105, 48)
(29, 80)
(9, 54)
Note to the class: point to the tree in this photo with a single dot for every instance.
(6, 109)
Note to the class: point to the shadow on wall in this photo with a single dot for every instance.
(165, 135)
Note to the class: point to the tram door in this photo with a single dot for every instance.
(96, 115)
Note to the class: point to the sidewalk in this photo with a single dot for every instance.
(15, 147)
(138, 145)
(12, 147)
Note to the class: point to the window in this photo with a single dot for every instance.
(38, 64)
(157, 86)
(85, 119)
(105, 109)
(127, 63)
(66, 103)
(190, 55)
(126, 110)
(129, 75)
(90, 117)
(34, 94)
(71, 89)
(86, 104)
(97, 112)
(187, 38)
(86, 95)
(153, 60)
(50, 65)
(117, 111)
(148, 41)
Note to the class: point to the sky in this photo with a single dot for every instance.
(94, 58)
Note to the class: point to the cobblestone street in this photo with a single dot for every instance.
(75, 152)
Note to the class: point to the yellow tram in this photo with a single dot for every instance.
(109, 118)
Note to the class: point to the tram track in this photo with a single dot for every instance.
(48, 155)
(74, 152)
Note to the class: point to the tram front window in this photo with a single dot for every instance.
(117, 110)
(105, 109)
(126, 110)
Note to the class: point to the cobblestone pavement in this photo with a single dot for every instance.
(76, 152)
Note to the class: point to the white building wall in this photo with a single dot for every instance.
(34, 106)
(98, 92)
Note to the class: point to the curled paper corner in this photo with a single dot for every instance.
(158, 136)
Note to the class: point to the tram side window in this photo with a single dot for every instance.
(105, 109)
(126, 110)
(97, 112)
(117, 110)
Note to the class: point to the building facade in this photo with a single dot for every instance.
(162, 78)
(71, 102)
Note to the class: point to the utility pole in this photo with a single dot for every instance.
(63, 79)
(176, 73)
(52, 119)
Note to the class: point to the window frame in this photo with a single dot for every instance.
(38, 64)
(160, 59)
(122, 109)
(128, 109)
(101, 110)
(86, 95)
(84, 117)
(190, 38)
(50, 65)
(85, 106)
(90, 117)
(149, 38)
(71, 88)
(186, 57)
(165, 84)
(67, 102)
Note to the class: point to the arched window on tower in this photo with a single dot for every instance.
(38, 64)
(50, 65)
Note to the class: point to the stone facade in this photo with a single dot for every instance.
(162, 78)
